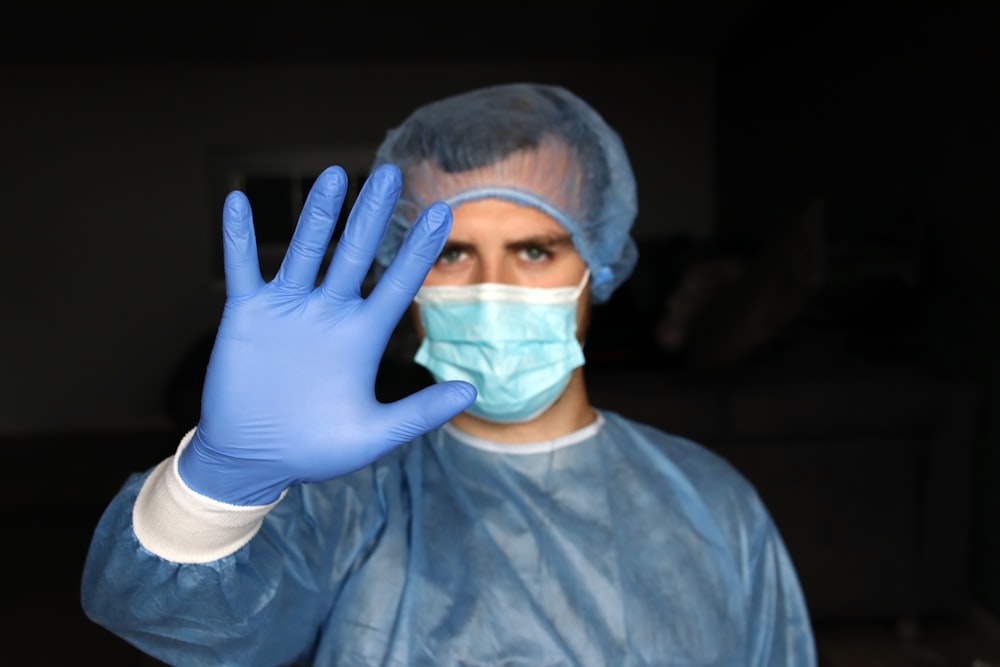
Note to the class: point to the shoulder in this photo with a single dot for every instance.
(694, 458)
(691, 471)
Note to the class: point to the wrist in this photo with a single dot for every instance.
(220, 477)
(180, 525)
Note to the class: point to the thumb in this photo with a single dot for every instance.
(428, 409)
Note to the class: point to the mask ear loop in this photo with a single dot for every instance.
(583, 283)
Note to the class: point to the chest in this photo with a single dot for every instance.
(529, 566)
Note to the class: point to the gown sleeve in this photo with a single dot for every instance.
(214, 584)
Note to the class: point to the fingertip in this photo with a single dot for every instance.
(464, 392)
(387, 176)
(388, 170)
(332, 179)
(237, 221)
(236, 205)
(437, 215)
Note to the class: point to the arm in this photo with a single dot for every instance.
(183, 563)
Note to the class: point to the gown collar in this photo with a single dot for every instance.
(543, 447)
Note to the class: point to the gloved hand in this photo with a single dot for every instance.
(289, 393)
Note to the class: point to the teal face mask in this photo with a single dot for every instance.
(516, 345)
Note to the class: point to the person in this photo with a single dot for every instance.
(492, 517)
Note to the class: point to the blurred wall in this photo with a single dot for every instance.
(889, 114)
(110, 214)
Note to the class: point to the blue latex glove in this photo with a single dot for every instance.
(289, 394)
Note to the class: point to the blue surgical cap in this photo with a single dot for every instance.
(532, 144)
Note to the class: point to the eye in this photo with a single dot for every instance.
(533, 253)
(451, 255)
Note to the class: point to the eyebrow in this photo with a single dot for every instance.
(541, 241)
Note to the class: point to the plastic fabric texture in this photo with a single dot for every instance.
(532, 144)
(615, 545)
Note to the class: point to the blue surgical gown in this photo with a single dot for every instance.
(615, 545)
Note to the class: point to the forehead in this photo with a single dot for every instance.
(501, 221)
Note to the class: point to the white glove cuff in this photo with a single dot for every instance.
(181, 525)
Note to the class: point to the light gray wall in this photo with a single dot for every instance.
(110, 215)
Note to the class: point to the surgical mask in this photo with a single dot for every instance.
(516, 345)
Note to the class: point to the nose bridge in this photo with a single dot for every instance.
(493, 264)
(491, 269)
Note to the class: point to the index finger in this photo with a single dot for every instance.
(420, 249)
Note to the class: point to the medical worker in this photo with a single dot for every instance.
(493, 518)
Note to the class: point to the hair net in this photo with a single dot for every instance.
(531, 144)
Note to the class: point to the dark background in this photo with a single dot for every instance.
(737, 115)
